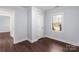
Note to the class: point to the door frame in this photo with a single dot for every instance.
(8, 12)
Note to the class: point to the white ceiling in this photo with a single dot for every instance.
(45, 8)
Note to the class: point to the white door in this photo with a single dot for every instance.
(40, 26)
(37, 24)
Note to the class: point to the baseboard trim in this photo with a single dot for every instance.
(18, 41)
(62, 40)
(33, 40)
(29, 40)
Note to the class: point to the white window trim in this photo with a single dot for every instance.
(58, 13)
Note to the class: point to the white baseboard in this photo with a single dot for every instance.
(62, 40)
(33, 40)
(18, 41)
(29, 40)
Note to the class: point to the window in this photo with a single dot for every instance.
(57, 23)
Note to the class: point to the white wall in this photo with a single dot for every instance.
(20, 24)
(34, 23)
(70, 25)
(18, 21)
(4, 24)
(29, 23)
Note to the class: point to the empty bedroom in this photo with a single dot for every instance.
(39, 29)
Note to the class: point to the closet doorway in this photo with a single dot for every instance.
(6, 22)
(6, 29)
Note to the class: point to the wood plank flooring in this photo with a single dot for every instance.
(42, 45)
(45, 45)
(6, 42)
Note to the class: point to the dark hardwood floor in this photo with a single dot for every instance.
(42, 45)
(45, 45)
(6, 42)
